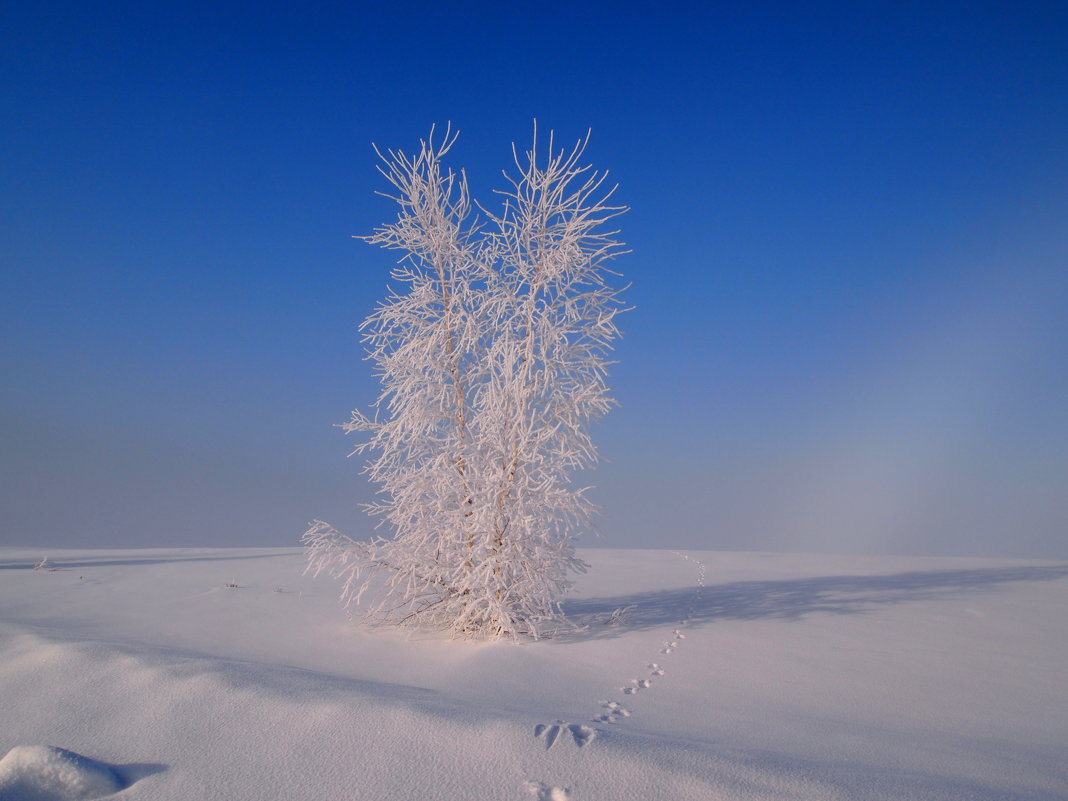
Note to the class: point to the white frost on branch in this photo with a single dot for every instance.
(493, 356)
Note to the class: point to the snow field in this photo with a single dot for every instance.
(792, 678)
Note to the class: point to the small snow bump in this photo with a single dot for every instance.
(47, 773)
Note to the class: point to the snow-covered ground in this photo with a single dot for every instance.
(696, 676)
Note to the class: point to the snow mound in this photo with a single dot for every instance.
(47, 773)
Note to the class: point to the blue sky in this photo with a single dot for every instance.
(849, 261)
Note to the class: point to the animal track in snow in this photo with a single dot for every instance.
(613, 711)
(677, 634)
(636, 685)
(582, 735)
(543, 792)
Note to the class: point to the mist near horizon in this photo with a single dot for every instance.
(945, 440)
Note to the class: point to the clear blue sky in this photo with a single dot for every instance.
(849, 260)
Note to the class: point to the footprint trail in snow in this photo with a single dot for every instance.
(552, 732)
(636, 685)
(612, 712)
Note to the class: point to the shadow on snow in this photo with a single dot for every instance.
(789, 599)
(118, 561)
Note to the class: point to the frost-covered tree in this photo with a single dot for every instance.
(492, 350)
